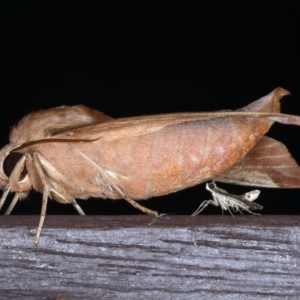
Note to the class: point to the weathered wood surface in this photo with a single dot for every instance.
(123, 257)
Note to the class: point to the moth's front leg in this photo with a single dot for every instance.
(38, 161)
(4, 196)
(46, 194)
(14, 201)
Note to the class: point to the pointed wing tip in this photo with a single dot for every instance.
(280, 92)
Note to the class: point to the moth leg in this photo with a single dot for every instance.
(132, 202)
(46, 194)
(157, 218)
(111, 183)
(42, 217)
(12, 204)
(78, 208)
(4, 196)
(203, 205)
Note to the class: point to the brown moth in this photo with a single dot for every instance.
(77, 152)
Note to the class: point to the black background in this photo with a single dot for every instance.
(135, 58)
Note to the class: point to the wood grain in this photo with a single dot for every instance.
(177, 257)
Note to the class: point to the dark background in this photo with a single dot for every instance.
(135, 58)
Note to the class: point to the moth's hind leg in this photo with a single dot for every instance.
(107, 179)
(46, 194)
(134, 203)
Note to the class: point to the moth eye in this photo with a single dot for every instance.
(10, 162)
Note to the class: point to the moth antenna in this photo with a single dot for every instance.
(12, 204)
(78, 208)
(4, 196)
(110, 182)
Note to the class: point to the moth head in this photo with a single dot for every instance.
(13, 172)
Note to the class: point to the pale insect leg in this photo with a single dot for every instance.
(203, 205)
(12, 204)
(78, 208)
(4, 196)
(110, 182)
(249, 211)
(74, 203)
(45, 197)
(42, 217)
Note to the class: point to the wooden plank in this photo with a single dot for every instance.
(177, 257)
